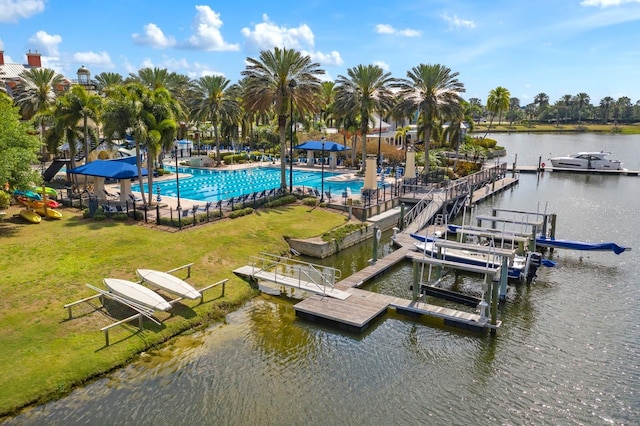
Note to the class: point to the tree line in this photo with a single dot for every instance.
(279, 89)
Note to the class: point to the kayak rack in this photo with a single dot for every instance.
(142, 311)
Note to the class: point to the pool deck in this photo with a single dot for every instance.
(186, 203)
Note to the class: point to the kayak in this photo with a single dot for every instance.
(51, 192)
(50, 213)
(30, 216)
(28, 194)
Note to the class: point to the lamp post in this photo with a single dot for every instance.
(322, 175)
(292, 85)
(379, 141)
(177, 180)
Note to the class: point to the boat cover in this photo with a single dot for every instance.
(579, 245)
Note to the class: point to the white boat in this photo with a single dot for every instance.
(586, 161)
(137, 294)
(517, 265)
(169, 283)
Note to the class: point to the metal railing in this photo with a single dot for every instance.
(281, 269)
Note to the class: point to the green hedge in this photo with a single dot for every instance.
(241, 212)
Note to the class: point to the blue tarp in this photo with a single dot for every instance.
(317, 146)
(121, 168)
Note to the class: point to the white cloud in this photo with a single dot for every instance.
(267, 35)
(12, 10)
(388, 29)
(147, 63)
(128, 66)
(456, 23)
(47, 43)
(606, 3)
(385, 67)
(207, 35)
(332, 58)
(101, 58)
(153, 36)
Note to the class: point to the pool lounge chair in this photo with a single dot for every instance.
(135, 198)
(110, 194)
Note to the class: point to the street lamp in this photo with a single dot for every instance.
(322, 175)
(177, 179)
(292, 85)
(379, 141)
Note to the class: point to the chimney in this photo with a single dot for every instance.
(1, 57)
(33, 59)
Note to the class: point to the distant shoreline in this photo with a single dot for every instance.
(626, 129)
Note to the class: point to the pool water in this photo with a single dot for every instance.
(215, 185)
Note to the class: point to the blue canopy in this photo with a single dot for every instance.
(318, 146)
(121, 168)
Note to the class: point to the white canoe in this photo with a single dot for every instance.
(137, 293)
(169, 283)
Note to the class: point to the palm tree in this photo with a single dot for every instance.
(152, 78)
(497, 103)
(276, 81)
(367, 89)
(434, 91)
(582, 99)
(108, 81)
(215, 104)
(326, 100)
(605, 106)
(36, 93)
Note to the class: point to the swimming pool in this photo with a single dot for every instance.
(215, 185)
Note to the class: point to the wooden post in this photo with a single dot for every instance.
(504, 276)
(494, 304)
(552, 230)
(374, 256)
(416, 281)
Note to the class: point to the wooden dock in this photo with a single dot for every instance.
(360, 310)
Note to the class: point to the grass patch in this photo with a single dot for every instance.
(46, 266)
(339, 233)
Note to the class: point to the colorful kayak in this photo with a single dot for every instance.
(50, 213)
(51, 192)
(27, 194)
(30, 216)
(34, 204)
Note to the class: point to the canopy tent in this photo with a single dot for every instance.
(321, 146)
(332, 147)
(121, 168)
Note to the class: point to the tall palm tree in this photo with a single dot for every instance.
(276, 81)
(152, 78)
(582, 99)
(497, 102)
(326, 100)
(215, 104)
(121, 114)
(434, 90)
(108, 81)
(366, 89)
(36, 94)
(605, 107)
(80, 105)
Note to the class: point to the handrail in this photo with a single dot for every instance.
(296, 269)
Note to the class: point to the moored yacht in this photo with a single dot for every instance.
(586, 161)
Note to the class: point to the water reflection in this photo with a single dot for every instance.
(568, 350)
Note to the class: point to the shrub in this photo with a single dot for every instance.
(287, 199)
(309, 201)
(241, 212)
(4, 200)
(340, 233)
(120, 216)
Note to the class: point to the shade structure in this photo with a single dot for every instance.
(121, 168)
(318, 146)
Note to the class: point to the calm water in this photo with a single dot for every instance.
(215, 185)
(568, 351)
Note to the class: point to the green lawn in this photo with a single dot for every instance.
(45, 266)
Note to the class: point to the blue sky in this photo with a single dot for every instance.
(554, 46)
